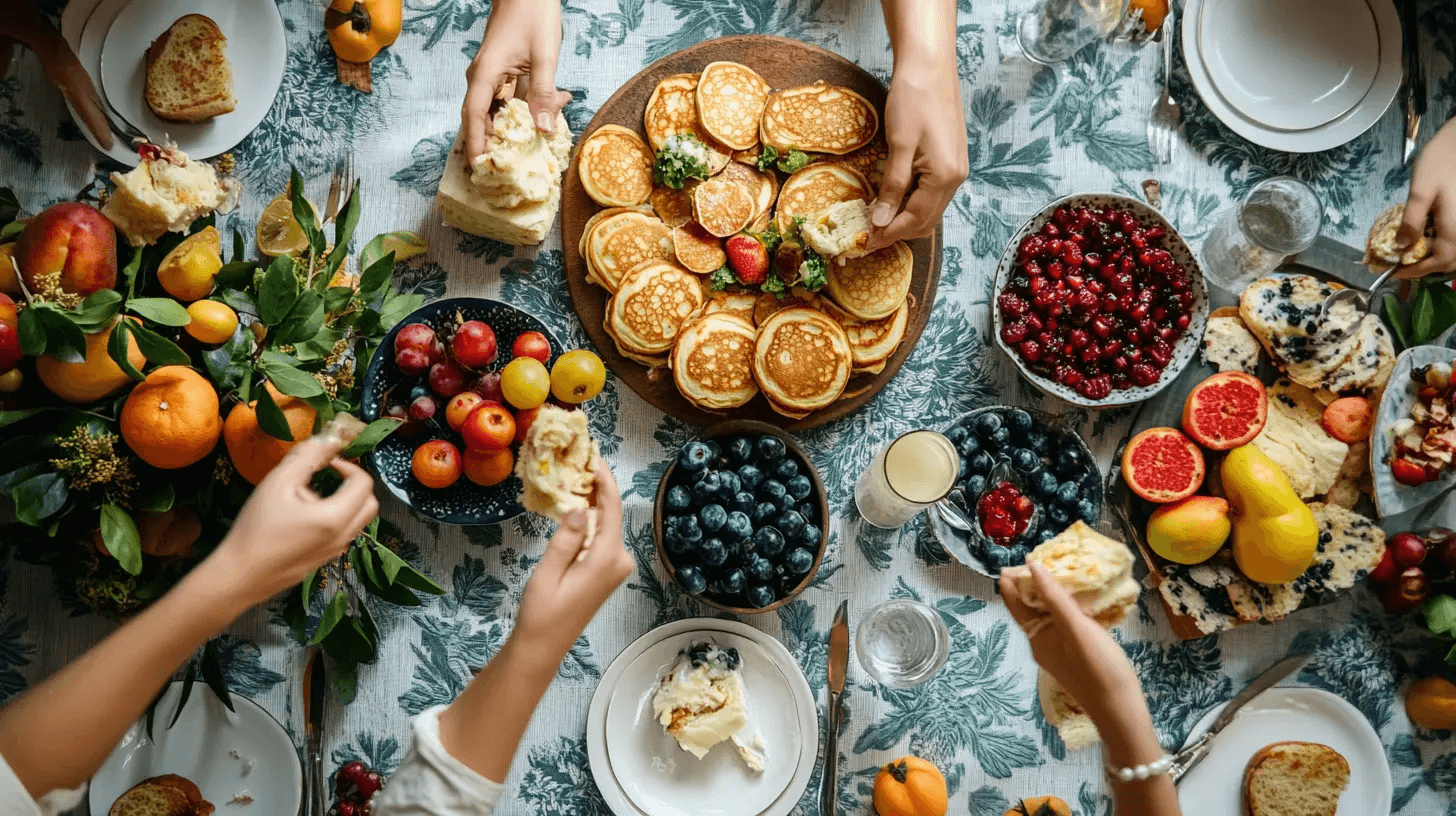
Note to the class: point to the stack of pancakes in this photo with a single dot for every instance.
(660, 252)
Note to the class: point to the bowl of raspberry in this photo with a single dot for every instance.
(1099, 301)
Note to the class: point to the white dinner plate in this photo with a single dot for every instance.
(1215, 786)
(256, 50)
(1293, 64)
(84, 25)
(1339, 130)
(200, 747)
(641, 771)
(1391, 497)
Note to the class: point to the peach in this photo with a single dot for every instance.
(1191, 530)
(9, 278)
(73, 239)
(10, 353)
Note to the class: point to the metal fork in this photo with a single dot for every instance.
(1164, 118)
(339, 185)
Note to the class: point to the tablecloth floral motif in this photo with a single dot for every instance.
(1032, 134)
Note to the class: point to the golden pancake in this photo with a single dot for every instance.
(801, 360)
(730, 101)
(818, 118)
(869, 161)
(722, 207)
(872, 286)
(623, 241)
(648, 311)
(760, 223)
(769, 304)
(674, 207)
(871, 342)
(673, 109)
(739, 303)
(712, 362)
(816, 187)
(591, 224)
(698, 251)
(615, 167)
(764, 187)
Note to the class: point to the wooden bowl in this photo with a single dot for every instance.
(739, 427)
(783, 63)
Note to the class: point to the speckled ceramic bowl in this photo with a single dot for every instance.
(1391, 497)
(1183, 351)
(464, 502)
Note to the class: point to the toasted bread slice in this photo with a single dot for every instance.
(188, 76)
(1295, 779)
(166, 795)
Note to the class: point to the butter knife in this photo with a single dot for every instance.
(1415, 77)
(836, 669)
(1194, 753)
(314, 685)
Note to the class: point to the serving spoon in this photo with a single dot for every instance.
(1361, 298)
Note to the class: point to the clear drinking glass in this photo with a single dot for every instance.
(915, 471)
(1058, 29)
(1279, 217)
(902, 643)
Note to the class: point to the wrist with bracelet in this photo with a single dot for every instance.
(1137, 773)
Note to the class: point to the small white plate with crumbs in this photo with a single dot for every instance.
(243, 761)
(1215, 786)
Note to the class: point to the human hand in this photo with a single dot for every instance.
(522, 37)
(565, 591)
(1433, 195)
(926, 132)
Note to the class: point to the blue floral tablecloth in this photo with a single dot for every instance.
(1032, 134)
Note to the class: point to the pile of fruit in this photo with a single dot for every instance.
(1096, 302)
(1424, 444)
(355, 785)
(739, 520)
(1060, 482)
(486, 411)
(1411, 564)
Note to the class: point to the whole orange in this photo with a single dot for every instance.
(253, 450)
(171, 418)
(171, 532)
(436, 464)
(487, 468)
(96, 377)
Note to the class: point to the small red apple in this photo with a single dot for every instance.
(422, 408)
(489, 427)
(447, 379)
(474, 344)
(532, 344)
(412, 362)
(489, 386)
(524, 419)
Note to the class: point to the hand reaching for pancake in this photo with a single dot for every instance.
(522, 38)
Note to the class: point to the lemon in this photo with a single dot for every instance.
(278, 231)
(404, 245)
(190, 270)
(212, 322)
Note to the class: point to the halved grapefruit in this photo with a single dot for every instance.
(1226, 410)
(1162, 465)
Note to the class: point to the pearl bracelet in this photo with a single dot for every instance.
(1142, 772)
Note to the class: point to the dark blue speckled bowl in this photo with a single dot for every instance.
(464, 502)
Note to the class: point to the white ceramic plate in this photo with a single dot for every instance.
(1290, 65)
(256, 51)
(1392, 497)
(84, 25)
(640, 770)
(200, 748)
(1214, 787)
(1187, 345)
(1341, 129)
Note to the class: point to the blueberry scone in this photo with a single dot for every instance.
(700, 702)
(1344, 350)
(1214, 594)
(1228, 345)
(1350, 545)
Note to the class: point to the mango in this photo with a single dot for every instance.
(1189, 531)
(1275, 534)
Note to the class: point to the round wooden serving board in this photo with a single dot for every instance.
(784, 63)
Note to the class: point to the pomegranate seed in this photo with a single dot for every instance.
(1182, 322)
(1030, 349)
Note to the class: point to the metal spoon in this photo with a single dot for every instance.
(1361, 298)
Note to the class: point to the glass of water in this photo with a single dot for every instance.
(1279, 217)
(1058, 29)
(902, 643)
(915, 471)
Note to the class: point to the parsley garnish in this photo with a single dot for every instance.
(766, 157)
(791, 162)
(770, 238)
(673, 167)
(723, 278)
(813, 272)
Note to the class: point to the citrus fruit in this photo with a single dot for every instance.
(189, 271)
(525, 383)
(253, 450)
(1162, 465)
(1348, 419)
(1154, 12)
(11, 381)
(436, 464)
(487, 468)
(96, 377)
(171, 532)
(1226, 410)
(212, 322)
(278, 232)
(170, 419)
(577, 376)
(1189, 531)
(9, 278)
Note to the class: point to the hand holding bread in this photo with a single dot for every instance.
(522, 38)
(1432, 201)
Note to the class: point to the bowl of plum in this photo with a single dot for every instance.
(741, 518)
(1099, 301)
(1024, 476)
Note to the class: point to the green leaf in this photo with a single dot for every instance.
(159, 498)
(375, 277)
(1423, 315)
(32, 333)
(238, 246)
(403, 243)
(277, 292)
(1443, 298)
(212, 673)
(292, 381)
(397, 307)
(39, 497)
(9, 205)
(227, 363)
(122, 540)
(236, 275)
(129, 272)
(349, 643)
(163, 311)
(12, 417)
(303, 320)
(271, 418)
(1440, 612)
(416, 580)
(337, 297)
(241, 301)
(64, 339)
(369, 438)
(98, 310)
(157, 348)
(117, 347)
(333, 613)
(1451, 655)
(187, 682)
(303, 213)
(344, 225)
(1396, 321)
(389, 562)
(307, 585)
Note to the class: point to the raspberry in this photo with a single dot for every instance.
(1096, 388)
(1013, 333)
(1032, 246)
(1012, 304)
(1056, 269)
(1034, 323)
(1143, 375)
(1072, 255)
(1030, 349)
(1112, 348)
(1068, 376)
(1078, 338)
(1051, 230)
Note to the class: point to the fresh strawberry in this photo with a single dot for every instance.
(748, 259)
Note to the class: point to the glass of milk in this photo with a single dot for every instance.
(913, 472)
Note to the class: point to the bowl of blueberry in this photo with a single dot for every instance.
(1025, 475)
(740, 518)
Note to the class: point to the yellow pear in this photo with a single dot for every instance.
(1189, 531)
(1275, 534)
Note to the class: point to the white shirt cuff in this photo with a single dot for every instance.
(15, 801)
(431, 782)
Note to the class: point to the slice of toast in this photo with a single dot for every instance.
(188, 76)
(166, 795)
(1295, 779)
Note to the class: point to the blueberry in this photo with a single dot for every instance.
(757, 567)
(743, 502)
(692, 478)
(1058, 515)
(988, 423)
(738, 527)
(1045, 484)
(772, 490)
(1068, 493)
(695, 456)
(1038, 441)
(799, 560)
(808, 511)
(1025, 460)
(692, 580)
(771, 448)
(689, 530)
(799, 487)
(763, 513)
(712, 518)
(714, 447)
(1044, 535)
(769, 541)
(750, 477)
(678, 499)
(809, 537)
(785, 469)
(732, 582)
(672, 536)
(759, 595)
(713, 552)
(731, 483)
(975, 486)
(418, 391)
(1020, 551)
(739, 449)
(982, 463)
(1087, 511)
(965, 468)
(1070, 461)
(957, 435)
(999, 438)
(1019, 420)
(707, 489)
(787, 582)
(969, 445)
(997, 557)
(790, 522)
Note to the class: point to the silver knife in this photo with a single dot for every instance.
(1337, 260)
(838, 665)
(1415, 77)
(1188, 758)
(314, 685)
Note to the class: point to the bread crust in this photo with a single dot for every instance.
(200, 110)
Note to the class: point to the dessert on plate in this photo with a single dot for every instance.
(164, 193)
(701, 702)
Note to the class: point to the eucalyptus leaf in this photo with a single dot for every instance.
(157, 348)
(271, 418)
(32, 333)
(1395, 319)
(291, 381)
(304, 319)
(118, 347)
(122, 540)
(212, 673)
(277, 291)
(333, 613)
(164, 311)
(369, 438)
(65, 340)
(304, 215)
(39, 497)
(158, 498)
(188, 680)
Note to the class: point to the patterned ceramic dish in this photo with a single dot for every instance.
(1392, 497)
(464, 502)
(974, 549)
(1187, 345)
(748, 427)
